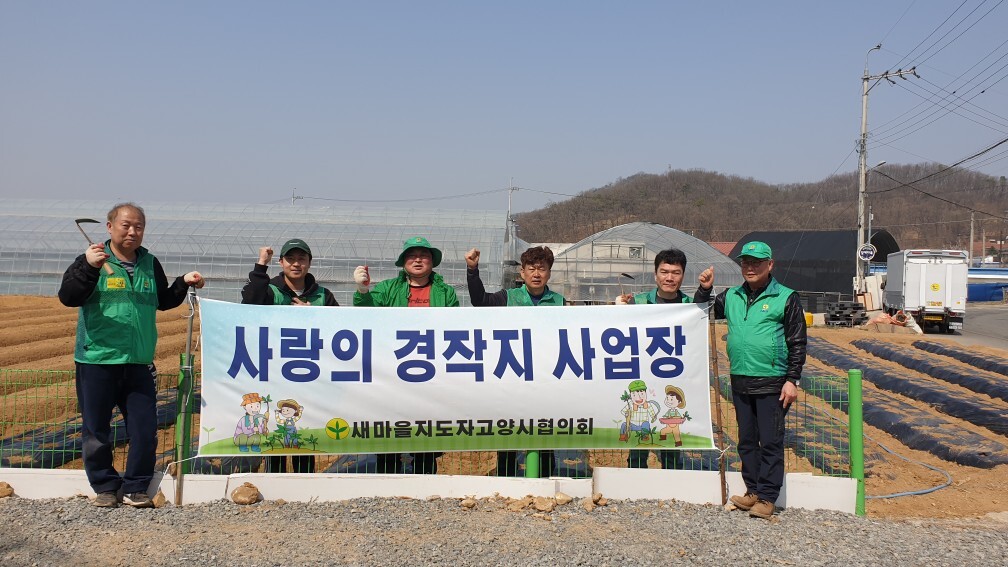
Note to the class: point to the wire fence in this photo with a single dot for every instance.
(40, 427)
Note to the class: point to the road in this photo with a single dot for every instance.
(985, 324)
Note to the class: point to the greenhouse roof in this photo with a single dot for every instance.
(621, 259)
(222, 240)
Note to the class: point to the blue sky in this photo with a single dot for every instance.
(245, 101)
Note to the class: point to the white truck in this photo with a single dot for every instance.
(929, 285)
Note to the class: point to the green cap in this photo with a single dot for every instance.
(295, 243)
(637, 386)
(756, 249)
(418, 242)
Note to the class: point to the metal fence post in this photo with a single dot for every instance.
(856, 441)
(183, 415)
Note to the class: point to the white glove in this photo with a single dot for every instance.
(362, 278)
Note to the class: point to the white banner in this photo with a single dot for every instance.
(295, 380)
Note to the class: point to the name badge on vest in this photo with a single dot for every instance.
(766, 307)
(115, 283)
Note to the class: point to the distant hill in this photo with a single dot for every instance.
(717, 207)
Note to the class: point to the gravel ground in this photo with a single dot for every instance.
(378, 531)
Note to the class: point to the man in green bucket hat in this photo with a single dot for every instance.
(417, 285)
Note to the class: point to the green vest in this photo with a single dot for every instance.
(651, 297)
(520, 296)
(317, 297)
(116, 325)
(756, 345)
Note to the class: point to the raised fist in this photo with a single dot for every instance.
(265, 255)
(706, 278)
(362, 278)
(194, 279)
(472, 258)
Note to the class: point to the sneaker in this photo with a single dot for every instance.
(106, 500)
(762, 509)
(746, 501)
(138, 500)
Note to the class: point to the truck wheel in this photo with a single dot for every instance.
(944, 328)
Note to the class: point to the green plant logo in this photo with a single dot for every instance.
(337, 428)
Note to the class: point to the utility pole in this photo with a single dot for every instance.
(969, 254)
(512, 249)
(862, 266)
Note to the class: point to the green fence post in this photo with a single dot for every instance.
(856, 441)
(183, 415)
(532, 464)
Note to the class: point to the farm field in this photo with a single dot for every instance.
(37, 333)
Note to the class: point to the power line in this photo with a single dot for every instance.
(440, 198)
(940, 171)
(960, 33)
(933, 196)
(898, 20)
(545, 192)
(937, 114)
(948, 88)
(415, 199)
(928, 36)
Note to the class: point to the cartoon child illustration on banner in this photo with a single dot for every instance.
(251, 429)
(288, 413)
(675, 400)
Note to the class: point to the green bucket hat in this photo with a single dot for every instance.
(418, 242)
(756, 249)
(637, 386)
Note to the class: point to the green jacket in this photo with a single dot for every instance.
(520, 296)
(756, 338)
(117, 322)
(394, 292)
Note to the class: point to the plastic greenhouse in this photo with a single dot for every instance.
(594, 270)
(38, 240)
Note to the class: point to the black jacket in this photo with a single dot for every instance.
(257, 290)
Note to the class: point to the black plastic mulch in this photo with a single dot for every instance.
(913, 426)
(983, 362)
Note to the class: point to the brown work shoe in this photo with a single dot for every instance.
(106, 500)
(746, 501)
(762, 509)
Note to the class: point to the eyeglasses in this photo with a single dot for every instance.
(753, 262)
